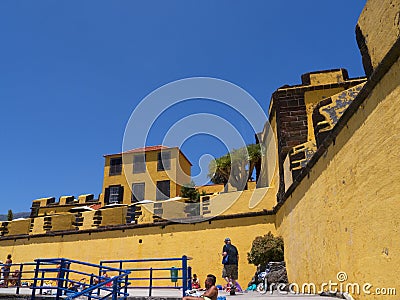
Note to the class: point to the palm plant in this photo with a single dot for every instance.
(235, 167)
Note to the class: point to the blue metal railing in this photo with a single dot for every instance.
(20, 275)
(61, 271)
(182, 273)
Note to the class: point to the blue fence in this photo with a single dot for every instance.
(70, 278)
(156, 277)
(72, 282)
(19, 275)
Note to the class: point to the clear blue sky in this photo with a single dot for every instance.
(71, 73)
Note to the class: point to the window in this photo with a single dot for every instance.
(139, 163)
(137, 191)
(114, 194)
(163, 190)
(164, 161)
(115, 166)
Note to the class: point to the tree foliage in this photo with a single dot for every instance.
(10, 215)
(235, 167)
(265, 249)
(189, 191)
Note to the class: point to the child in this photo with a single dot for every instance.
(195, 282)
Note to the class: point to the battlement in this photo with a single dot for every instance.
(48, 205)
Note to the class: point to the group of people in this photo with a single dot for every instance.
(230, 261)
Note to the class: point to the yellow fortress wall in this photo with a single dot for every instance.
(377, 30)
(344, 215)
(202, 241)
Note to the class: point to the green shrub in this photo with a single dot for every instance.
(189, 191)
(265, 249)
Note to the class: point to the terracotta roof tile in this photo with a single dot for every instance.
(147, 149)
(142, 149)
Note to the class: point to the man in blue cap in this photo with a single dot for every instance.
(230, 260)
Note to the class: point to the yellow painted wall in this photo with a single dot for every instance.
(19, 227)
(50, 210)
(113, 216)
(87, 220)
(344, 217)
(380, 25)
(62, 222)
(243, 201)
(183, 172)
(269, 162)
(37, 227)
(218, 188)
(201, 241)
(326, 77)
(115, 180)
(210, 189)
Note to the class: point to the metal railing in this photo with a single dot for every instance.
(19, 275)
(181, 274)
(65, 273)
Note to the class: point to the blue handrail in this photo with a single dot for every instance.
(73, 288)
(185, 270)
(94, 285)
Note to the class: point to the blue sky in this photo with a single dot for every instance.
(72, 72)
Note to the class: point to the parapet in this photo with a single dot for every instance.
(325, 77)
(377, 30)
(48, 205)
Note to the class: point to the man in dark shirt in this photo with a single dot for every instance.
(230, 261)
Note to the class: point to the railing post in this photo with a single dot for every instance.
(126, 287)
(190, 278)
(21, 266)
(67, 266)
(115, 289)
(151, 281)
(99, 278)
(90, 284)
(35, 279)
(60, 278)
(41, 283)
(119, 275)
(184, 275)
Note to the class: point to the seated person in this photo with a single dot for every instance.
(211, 292)
(104, 276)
(195, 282)
(14, 278)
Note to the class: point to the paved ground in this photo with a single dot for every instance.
(171, 294)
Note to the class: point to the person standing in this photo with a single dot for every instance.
(230, 260)
(6, 269)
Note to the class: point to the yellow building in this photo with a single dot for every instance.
(151, 173)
